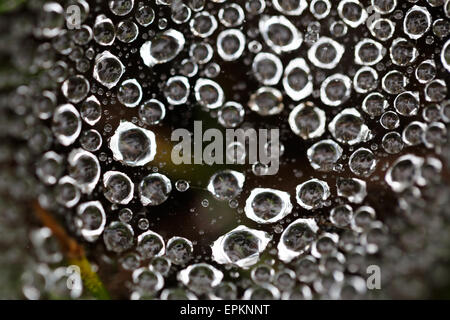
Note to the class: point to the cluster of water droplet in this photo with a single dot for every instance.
(359, 90)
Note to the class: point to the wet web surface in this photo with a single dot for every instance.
(383, 212)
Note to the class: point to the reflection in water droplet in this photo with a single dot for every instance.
(241, 247)
(92, 220)
(108, 69)
(311, 194)
(118, 187)
(132, 145)
(84, 167)
(296, 239)
(118, 237)
(179, 250)
(200, 277)
(226, 185)
(154, 189)
(265, 205)
(164, 47)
